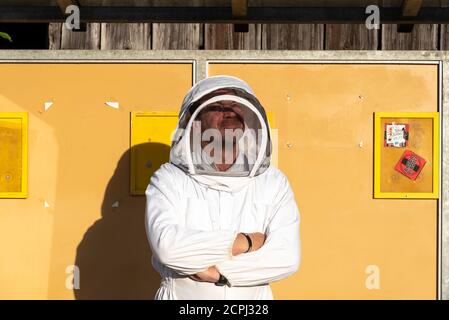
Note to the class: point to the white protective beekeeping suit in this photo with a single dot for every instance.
(193, 212)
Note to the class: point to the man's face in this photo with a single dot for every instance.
(222, 115)
(227, 118)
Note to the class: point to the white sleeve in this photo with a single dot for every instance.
(184, 250)
(279, 257)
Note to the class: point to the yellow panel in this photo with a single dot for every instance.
(324, 116)
(151, 134)
(13, 154)
(424, 140)
(79, 211)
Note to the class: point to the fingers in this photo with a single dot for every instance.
(209, 275)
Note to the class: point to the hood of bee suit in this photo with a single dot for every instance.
(253, 145)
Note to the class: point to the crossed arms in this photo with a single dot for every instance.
(202, 255)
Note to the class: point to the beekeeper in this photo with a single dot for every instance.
(221, 222)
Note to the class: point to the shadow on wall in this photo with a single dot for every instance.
(114, 257)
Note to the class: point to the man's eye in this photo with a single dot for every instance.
(215, 107)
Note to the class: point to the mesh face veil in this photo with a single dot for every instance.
(222, 132)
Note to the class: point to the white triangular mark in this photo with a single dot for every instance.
(46, 205)
(113, 104)
(47, 105)
(115, 204)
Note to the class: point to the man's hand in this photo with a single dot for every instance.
(210, 275)
(240, 246)
(241, 243)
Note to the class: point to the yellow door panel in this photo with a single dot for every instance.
(79, 211)
(353, 246)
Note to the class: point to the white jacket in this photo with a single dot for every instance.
(192, 222)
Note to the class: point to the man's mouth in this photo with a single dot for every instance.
(232, 123)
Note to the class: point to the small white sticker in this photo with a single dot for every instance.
(113, 104)
(47, 105)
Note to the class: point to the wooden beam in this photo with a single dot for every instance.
(410, 8)
(239, 8)
(63, 4)
(390, 15)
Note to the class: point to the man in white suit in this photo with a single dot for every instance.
(221, 222)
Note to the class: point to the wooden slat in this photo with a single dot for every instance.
(220, 36)
(292, 36)
(127, 36)
(54, 35)
(90, 39)
(177, 36)
(423, 37)
(444, 37)
(444, 30)
(351, 37)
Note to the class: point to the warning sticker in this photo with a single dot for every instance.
(410, 164)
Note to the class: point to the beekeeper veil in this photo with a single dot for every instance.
(222, 139)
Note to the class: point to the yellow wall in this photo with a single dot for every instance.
(323, 112)
(79, 164)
